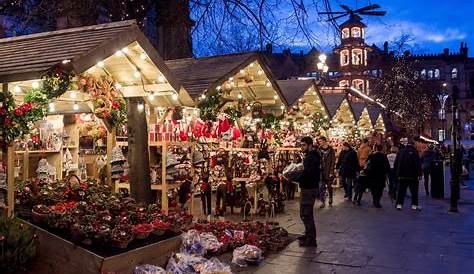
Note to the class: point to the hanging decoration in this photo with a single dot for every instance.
(210, 107)
(233, 113)
(108, 102)
(56, 82)
(17, 120)
(270, 121)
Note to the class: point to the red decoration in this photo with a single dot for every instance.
(235, 133)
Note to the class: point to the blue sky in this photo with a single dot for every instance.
(433, 24)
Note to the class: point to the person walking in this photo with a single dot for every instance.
(377, 168)
(206, 194)
(309, 184)
(427, 158)
(363, 152)
(328, 160)
(408, 170)
(392, 178)
(348, 167)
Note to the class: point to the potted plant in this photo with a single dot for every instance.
(159, 227)
(39, 213)
(121, 237)
(142, 231)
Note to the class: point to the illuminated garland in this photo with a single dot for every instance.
(56, 82)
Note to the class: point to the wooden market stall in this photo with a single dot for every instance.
(309, 111)
(343, 120)
(364, 123)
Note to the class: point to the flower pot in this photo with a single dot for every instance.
(123, 244)
(159, 232)
(142, 235)
(38, 218)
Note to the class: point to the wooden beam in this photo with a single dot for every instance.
(139, 91)
(10, 179)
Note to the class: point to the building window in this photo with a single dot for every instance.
(416, 75)
(357, 57)
(437, 74)
(345, 33)
(358, 84)
(344, 57)
(441, 135)
(380, 73)
(454, 74)
(367, 87)
(442, 114)
(356, 32)
(344, 83)
(430, 74)
(423, 74)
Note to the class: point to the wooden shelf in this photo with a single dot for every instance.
(122, 143)
(160, 187)
(288, 149)
(37, 151)
(174, 143)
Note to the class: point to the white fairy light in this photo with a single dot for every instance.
(140, 107)
(203, 96)
(174, 96)
(125, 50)
(136, 74)
(73, 95)
(260, 72)
(161, 79)
(17, 89)
(119, 53)
(118, 86)
(282, 107)
(52, 107)
(151, 96)
(268, 84)
(100, 64)
(35, 84)
(143, 56)
(275, 97)
(239, 96)
(75, 106)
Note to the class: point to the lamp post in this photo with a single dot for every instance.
(456, 153)
(321, 65)
(442, 97)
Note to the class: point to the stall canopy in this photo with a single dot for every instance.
(305, 94)
(236, 76)
(119, 50)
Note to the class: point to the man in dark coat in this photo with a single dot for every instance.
(427, 159)
(377, 169)
(408, 170)
(348, 167)
(309, 184)
(328, 160)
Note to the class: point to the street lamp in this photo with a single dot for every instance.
(321, 65)
(442, 97)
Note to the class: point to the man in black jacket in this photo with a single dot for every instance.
(309, 184)
(408, 169)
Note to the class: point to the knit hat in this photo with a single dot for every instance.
(117, 156)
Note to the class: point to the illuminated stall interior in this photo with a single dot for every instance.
(364, 124)
(342, 117)
(307, 104)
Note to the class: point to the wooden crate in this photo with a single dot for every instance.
(57, 255)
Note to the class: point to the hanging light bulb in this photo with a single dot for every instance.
(75, 106)
(248, 107)
(125, 50)
(35, 84)
(73, 95)
(100, 64)
(174, 96)
(282, 107)
(275, 97)
(242, 71)
(322, 57)
(218, 88)
(161, 79)
(260, 72)
(136, 74)
(251, 65)
(118, 86)
(151, 96)
(268, 84)
(17, 89)
(66, 61)
(119, 53)
(140, 107)
(143, 56)
(203, 96)
(52, 107)
(239, 96)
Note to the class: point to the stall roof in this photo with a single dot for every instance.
(30, 56)
(333, 101)
(358, 108)
(200, 74)
(294, 89)
(374, 113)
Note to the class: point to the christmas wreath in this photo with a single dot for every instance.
(56, 82)
(108, 102)
(210, 107)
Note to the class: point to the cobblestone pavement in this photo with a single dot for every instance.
(364, 239)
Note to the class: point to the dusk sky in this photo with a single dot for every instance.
(434, 24)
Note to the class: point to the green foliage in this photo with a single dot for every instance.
(210, 107)
(270, 121)
(319, 121)
(233, 113)
(18, 245)
(56, 82)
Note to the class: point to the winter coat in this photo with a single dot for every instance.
(428, 157)
(328, 161)
(408, 163)
(363, 154)
(348, 164)
(310, 176)
(377, 166)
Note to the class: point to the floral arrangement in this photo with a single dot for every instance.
(267, 236)
(93, 129)
(319, 121)
(17, 120)
(108, 102)
(210, 107)
(89, 213)
(56, 82)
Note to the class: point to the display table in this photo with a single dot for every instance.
(57, 255)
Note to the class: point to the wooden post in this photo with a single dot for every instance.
(193, 148)
(164, 183)
(10, 179)
(138, 156)
(110, 145)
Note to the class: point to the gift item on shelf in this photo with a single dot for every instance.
(148, 269)
(68, 163)
(117, 162)
(45, 170)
